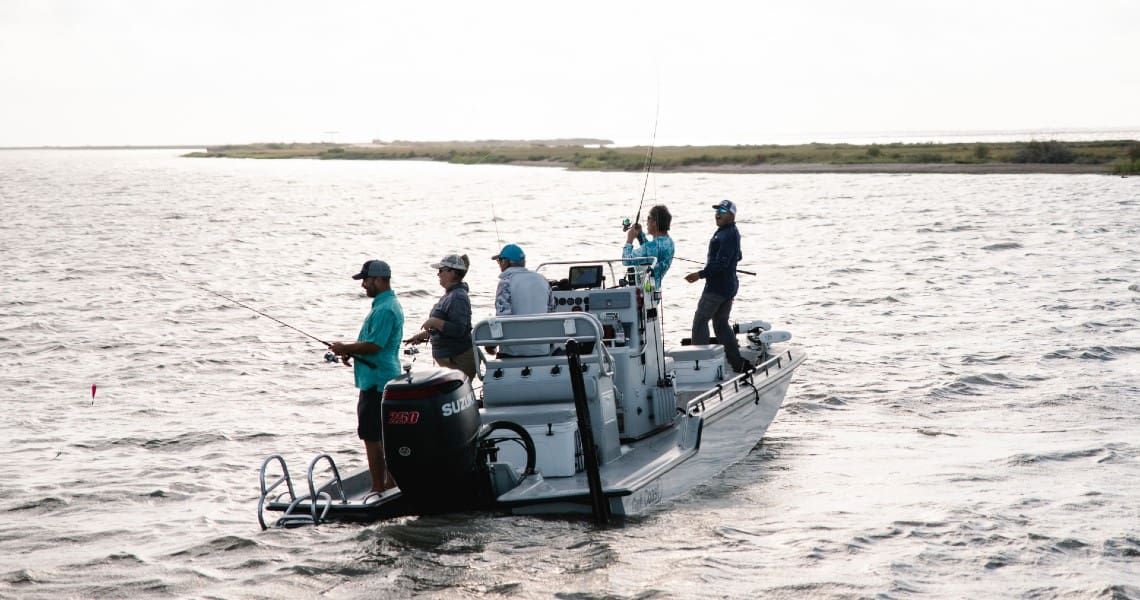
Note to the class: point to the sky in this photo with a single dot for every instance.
(148, 72)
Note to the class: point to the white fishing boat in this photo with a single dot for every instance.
(602, 419)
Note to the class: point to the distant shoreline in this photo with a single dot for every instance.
(904, 168)
(1084, 157)
(1103, 157)
(876, 168)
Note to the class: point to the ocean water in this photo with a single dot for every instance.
(966, 424)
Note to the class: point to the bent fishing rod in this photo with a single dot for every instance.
(701, 263)
(648, 164)
(362, 360)
(494, 217)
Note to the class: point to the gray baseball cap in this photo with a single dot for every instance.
(451, 261)
(374, 268)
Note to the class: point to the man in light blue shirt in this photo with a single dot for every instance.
(377, 352)
(521, 292)
(660, 247)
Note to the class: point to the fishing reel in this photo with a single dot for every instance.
(626, 224)
(332, 358)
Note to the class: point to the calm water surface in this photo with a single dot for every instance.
(966, 425)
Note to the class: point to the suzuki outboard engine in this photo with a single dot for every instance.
(431, 426)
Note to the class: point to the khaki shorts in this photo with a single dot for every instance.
(461, 362)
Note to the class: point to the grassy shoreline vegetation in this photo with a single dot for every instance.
(1107, 157)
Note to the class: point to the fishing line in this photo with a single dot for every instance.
(702, 262)
(248, 307)
(494, 217)
(648, 160)
(266, 315)
(495, 220)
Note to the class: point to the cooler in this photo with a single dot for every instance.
(557, 443)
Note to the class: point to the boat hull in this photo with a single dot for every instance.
(713, 431)
(696, 449)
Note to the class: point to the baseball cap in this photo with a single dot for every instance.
(374, 268)
(725, 206)
(451, 261)
(510, 252)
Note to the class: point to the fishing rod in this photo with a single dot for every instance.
(362, 360)
(495, 220)
(494, 217)
(648, 164)
(701, 263)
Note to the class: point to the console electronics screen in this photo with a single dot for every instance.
(586, 277)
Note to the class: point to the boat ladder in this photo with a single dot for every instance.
(292, 517)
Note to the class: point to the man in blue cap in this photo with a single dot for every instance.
(721, 286)
(378, 341)
(521, 292)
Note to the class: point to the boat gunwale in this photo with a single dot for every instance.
(723, 404)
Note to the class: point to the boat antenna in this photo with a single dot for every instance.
(267, 316)
(648, 160)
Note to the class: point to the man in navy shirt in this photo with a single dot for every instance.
(720, 286)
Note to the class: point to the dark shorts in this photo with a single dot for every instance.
(369, 416)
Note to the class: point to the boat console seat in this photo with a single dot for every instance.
(537, 380)
(531, 380)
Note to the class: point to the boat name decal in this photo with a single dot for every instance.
(646, 496)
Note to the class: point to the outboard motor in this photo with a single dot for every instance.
(431, 426)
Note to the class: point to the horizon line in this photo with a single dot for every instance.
(1031, 133)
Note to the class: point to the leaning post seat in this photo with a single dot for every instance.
(537, 389)
(534, 380)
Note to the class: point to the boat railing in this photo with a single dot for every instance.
(550, 328)
(714, 397)
(321, 501)
(265, 490)
(641, 274)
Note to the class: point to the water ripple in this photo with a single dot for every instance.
(1060, 456)
(967, 407)
(1002, 246)
(1093, 352)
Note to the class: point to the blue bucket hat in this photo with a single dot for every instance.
(510, 252)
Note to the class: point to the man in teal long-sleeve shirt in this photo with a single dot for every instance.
(378, 351)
